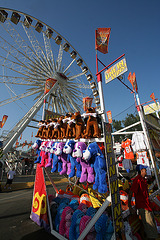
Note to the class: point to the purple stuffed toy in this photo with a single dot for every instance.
(48, 149)
(66, 165)
(87, 170)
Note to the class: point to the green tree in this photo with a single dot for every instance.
(129, 120)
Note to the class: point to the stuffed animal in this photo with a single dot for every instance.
(68, 149)
(53, 209)
(83, 207)
(74, 228)
(104, 228)
(43, 153)
(60, 209)
(92, 129)
(83, 223)
(41, 125)
(71, 131)
(66, 165)
(93, 151)
(50, 129)
(45, 129)
(63, 126)
(87, 168)
(56, 133)
(48, 149)
(65, 222)
(57, 163)
(36, 146)
(79, 125)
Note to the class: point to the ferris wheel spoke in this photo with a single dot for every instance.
(15, 55)
(76, 76)
(62, 103)
(74, 90)
(59, 59)
(20, 67)
(35, 44)
(70, 100)
(49, 52)
(17, 80)
(41, 67)
(73, 96)
(26, 51)
(65, 99)
(69, 66)
(39, 95)
(17, 97)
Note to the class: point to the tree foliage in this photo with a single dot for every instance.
(129, 120)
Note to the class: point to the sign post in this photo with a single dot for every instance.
(109, 153)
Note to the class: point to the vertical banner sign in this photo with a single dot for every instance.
(87, 103)
(113, 180)
(102, 39)
(39, 203)
(49, 84)
(4, 119)
(109, 115)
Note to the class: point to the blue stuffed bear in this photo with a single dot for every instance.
(36, 146)
(94, 153)
(68, 149)
(55, 158)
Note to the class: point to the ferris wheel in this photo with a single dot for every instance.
(32, 52)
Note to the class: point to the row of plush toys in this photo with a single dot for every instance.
(70, 217)
(73, 125)
(74, 158)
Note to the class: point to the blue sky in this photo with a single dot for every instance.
(135, 32)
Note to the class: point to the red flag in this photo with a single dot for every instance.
(20, 136)
(3, 120)
(102, 39)
(32, 134)
(49, 84)
(153, 97)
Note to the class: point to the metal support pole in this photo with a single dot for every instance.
(145, 131)
(99, 80)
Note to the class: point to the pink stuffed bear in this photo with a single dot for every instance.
(43, 154)
(83, 223)
(65, 222)
(87, 170)
(48, 149)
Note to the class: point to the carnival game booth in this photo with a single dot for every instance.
(84, 208)
(79, 147)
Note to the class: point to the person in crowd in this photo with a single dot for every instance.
(10, 177)
(140, 189)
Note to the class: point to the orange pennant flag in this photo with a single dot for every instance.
(132, 79)
(153, 97)
(4, 119)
